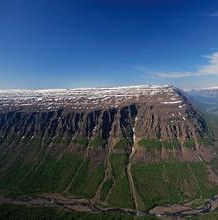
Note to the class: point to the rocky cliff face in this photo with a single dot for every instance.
(105, 116)
(67, 140)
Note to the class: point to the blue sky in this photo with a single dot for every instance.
(78, 43)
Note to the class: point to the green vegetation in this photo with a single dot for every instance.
(51, 175)
(106, 188)
(206, 189)
(47, 141)
(19, 212)
(48, 170)
(207, 140)
(121, 144)
(10, 180)
(214, 165)
(81, 141)
(150, 144)
(80, 178)
(87, 180)
(11, 139)
(174, 144)
(197, 203)
(97, 142)
(120, 195)
(57, 139)
(212, 120)
(66, 141)
(190, 144)
(163, 183)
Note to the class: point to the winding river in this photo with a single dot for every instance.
(84, 205)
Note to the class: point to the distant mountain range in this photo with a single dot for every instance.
(206, 98)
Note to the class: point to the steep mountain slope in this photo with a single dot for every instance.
(128, 147)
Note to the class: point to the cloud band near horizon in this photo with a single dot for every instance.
(207, 70)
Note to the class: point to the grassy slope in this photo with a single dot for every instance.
(157, 183)
(163, 183)
(42, 171)
(51, 175)
(120, 195)
(106, 188)
(213, 122)
(86, 180)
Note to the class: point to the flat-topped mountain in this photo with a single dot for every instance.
(86, 99)
(159, 112)
(127, 147)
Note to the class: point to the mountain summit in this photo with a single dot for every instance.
(130, 148)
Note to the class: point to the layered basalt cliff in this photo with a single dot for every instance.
(160, 114)
(83, 142)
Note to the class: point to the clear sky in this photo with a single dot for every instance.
(89, 43)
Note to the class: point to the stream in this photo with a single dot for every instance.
(84, 205)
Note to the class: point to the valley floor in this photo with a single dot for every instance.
(192, 209)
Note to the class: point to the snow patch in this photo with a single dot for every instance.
(173, 102)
